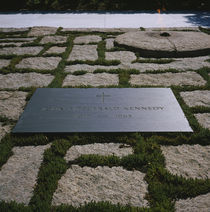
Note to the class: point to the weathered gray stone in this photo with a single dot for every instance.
(99, 29)
(168, 79)
(13, 43)
(42, 63)
(17, 39)
(122, 56)
(198, 204)
(16, 80)
(99, 149)
(4, 129)
(12, 103)
(13, 29)
(54, 39)
(102, 79)
(203, 119)
(88, 68)
(84, 52)
(87, 39)
(18, 176)
(39, 31)
(196, 98)
(21, 50)
(117, 185)
(182, 64)
(173, 29)
(190, 161)
(110, 43)
(4, 63)
(55, 50)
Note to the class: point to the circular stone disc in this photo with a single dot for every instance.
(178, 44)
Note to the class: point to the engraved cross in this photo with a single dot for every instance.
(103, 96)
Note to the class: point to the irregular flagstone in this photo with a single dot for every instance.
(196, 98)
(102, 79)
(117, 185)
(168, 79)
(123, 56)
(18, 39)
(88, 68)
(173, 29)
(20, 50)
(4, 130)
(42, 63)
(13, 43)
(182, 64)
(55, 50)
(18, 176)
(16, 80)
(4, 63)
(12, 103)
(54, 39)
(13, 29)
(83, 52)
(190, 161)
(199, 203)
(110, 43)
(87, 39)
(39, 31)
(100, 149)
(203, 119)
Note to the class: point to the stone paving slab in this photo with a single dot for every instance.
(4, 63)
(95, 80)
(13, 43)
(16, 80)
(83, 52)
(196, 98)
(12, 103)
(122, 56)
(203, 119)
(99, 149)
(53, 39)
(39, 31)
(17, 39)
(168, 79)
(198, 204)
(6, 30)
(88, 68)
(173, 29)
(87, 39)
(4, 129)
(110, 43)
(20, 50)
(117, 185)
(41, 63)
(55, 50)
(18, 176)
(190, 161)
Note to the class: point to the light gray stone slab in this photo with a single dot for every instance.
(55, 50)
(122, 56)
(102, 79)
(88, 68)
(12, 103)
(6, 30)
(200, 203)
(117, 185)
(20, 50)
(4, 63)
(196, 98)
(190, 161)
(17, 39)
(83, 52)
(182, 64)
(203, 119)
(53, 39)
(18, 176)
(39, 31)
(87, 39)
(17, 80)
(173, 29)
(41, 63)
(168, 79)
(13, 43)
(4, 129)
(98, 149)
(110, 43)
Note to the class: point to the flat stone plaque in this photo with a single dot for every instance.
(64, 110)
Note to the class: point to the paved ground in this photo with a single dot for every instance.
(155, 171)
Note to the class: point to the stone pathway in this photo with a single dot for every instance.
(53, 57)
